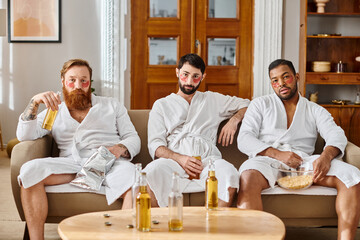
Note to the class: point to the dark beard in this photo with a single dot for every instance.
(77, 99)
(188, 92)
(292, 94)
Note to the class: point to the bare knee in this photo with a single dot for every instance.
(253, 180)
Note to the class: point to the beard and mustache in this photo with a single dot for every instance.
(190, 91)
(77, 99)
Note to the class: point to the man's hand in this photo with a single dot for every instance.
(227, 133)
(321, 168)
(191, 165)
(119, 150)
(323, 163)
(50, 99)
(289, 158)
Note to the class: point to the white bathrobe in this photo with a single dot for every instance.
(265, 125)
(106, 124)
(176, 124)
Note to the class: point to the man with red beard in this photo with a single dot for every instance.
(84, 122)
(183, 126)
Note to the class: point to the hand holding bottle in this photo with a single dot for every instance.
(51, 112)
(50, 99)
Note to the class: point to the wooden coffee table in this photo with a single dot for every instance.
(224, 223)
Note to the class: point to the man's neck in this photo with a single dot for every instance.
(292, 102)
(188, 98)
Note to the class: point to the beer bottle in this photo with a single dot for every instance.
(175, 205)
(211, 192)
(143, 206)
(135, 187)
(50, 117)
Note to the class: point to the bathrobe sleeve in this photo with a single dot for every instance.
(248, 138)
(329, 131)
(31, 130)
(156, 129)
(128, 135)
(229, 105)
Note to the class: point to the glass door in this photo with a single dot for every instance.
(220, 31)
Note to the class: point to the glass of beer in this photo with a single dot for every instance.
(196, 155)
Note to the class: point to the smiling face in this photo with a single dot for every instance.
(284, 82)
(189, 78)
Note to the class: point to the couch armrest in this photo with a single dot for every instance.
(352, 154)
(23, 152)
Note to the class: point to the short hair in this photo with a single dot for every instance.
(279, 62)
(75, 62)
(194, 60)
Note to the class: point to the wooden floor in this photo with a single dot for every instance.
(11, 227)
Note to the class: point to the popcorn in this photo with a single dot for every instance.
(295, 182)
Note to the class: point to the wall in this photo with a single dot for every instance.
(30, 68)
(291, 31)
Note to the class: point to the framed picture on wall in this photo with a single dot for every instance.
(34, 21)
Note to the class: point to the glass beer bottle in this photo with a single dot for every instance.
(175, 205)
(50, 117)
(211, 192)
(143, 206)
(135, 187)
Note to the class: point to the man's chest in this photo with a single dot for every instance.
(79, 115)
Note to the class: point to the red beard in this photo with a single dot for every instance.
(77, 99)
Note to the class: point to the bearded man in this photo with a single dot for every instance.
(84, 122)
(184, 125)
(282, 128)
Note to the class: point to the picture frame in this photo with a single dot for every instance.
(34, 21)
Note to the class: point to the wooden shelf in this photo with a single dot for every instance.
(338, 37)
(341, 14)
(327, 105)
(332, 78)
(340, 17)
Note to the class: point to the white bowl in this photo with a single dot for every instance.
(321, 66)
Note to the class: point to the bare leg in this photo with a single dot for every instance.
(154, 202)
(347, 206)
(35, 205)
(231, 197)
(127, 199)
(252, 182)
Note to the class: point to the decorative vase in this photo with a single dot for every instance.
(321, 5)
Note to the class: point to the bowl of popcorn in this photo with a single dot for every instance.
(290, 178)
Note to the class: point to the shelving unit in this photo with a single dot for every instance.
(341, 17)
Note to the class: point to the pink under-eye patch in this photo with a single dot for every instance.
(290, 80)
(275, 84)
(183, 77)
(196, 79)
(85, 84)
(70, 84)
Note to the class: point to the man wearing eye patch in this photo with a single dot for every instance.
(184, 125)
(84, 122)
(282, 128)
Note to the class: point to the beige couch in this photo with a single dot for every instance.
(294, 210)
